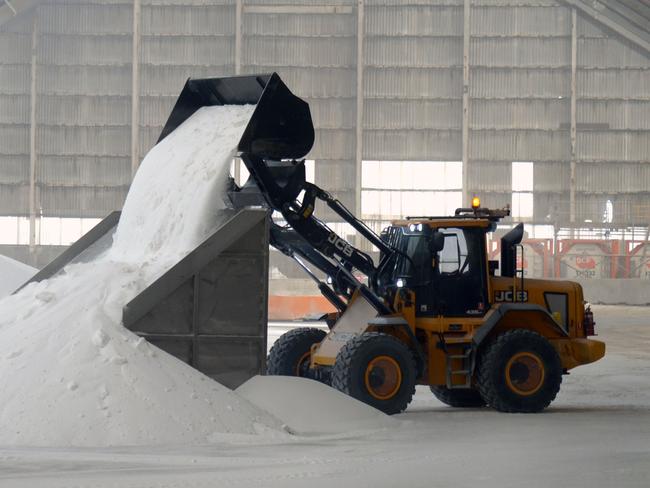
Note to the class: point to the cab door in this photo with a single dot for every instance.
(460, 278)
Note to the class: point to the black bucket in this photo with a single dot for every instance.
(281, 125)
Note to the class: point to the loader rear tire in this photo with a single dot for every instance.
(520, 371)
(289, 356)
(377, 369)
(466, 398)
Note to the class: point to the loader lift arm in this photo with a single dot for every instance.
(279, 132)
(282, 183)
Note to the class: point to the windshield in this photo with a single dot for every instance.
(416, 269)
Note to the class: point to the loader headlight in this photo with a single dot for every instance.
(399, 283)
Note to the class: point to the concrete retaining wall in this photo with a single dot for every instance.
(617, 291)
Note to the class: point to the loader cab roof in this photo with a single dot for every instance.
(464, 217)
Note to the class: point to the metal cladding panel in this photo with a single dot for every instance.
(613, 146)
(239, 318)
(76, 18)
(520, 113)
(333, 113)
(520, 83)
(519, 19)
(422, 52)
(618, 178)
(301, 3)
(413, 83)
(148, 138)
(551, 176)
(92, 141)
(155, 110)
(14, 79)
(303, 25)
(413, 20)
(491, 176)
(14, 169)
(291, 51)
(14, 109)
(312, 83)
(84, 80)
(617, 114)
(412, 114)
(197, 309)
(85, 50)
(333, 144)
(14, 139)
(335, 174)
(14, 199)
(520, 145)
(231, 361)
(550, 207)
(190, 51)
(609, 53)
(412, 145)
(614, 83)
(84, 171)
(91, 202)
(589, 28)
(75, 109)
(592, 207)
(524, 52)
(188, 20)
(15, 48)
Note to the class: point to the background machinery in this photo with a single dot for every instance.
(431, 311)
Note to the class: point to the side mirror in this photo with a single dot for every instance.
(436, 242)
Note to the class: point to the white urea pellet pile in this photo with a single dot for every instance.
(71, 374)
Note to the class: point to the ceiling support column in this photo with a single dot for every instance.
(135, 88)
(467, 9)
(32, 134)
(573, 129)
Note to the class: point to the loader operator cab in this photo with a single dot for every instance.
(444, 265)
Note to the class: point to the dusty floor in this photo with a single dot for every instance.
(596, 434)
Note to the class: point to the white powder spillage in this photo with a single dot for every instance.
(71, 374)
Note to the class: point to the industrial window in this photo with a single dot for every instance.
(557, 305)
(395, 189)
(522, 190)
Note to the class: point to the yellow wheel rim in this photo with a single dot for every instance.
(525, 373)
(301, 362)
(383, 377)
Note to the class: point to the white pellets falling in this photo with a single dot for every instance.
(71, 374)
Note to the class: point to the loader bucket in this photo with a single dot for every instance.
(281, 125)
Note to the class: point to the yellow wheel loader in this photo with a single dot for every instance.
(430, 310)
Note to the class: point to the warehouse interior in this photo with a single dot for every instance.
(147, 320)
(541, 105)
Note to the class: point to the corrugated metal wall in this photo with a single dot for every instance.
(520, 94)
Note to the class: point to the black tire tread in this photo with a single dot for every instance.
(342, 372)
(465, 398)
(489, 361)
(284, 347)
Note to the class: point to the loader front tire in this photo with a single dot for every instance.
(465, 398)
(377, 369)
(290, 354)
(520, 371)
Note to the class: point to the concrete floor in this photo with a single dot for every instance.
(596, 434)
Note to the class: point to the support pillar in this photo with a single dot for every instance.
(135, 88)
